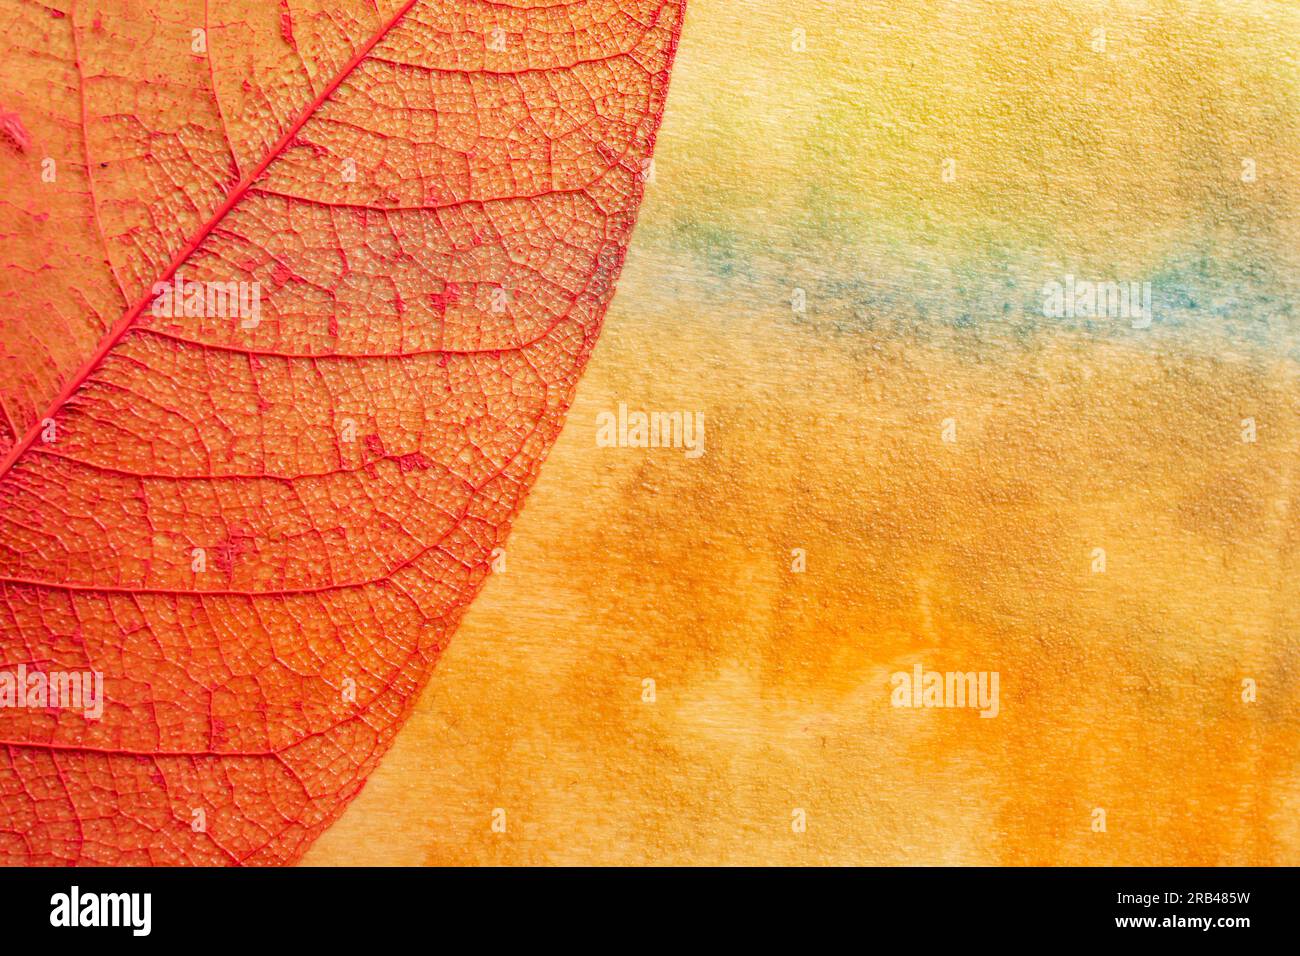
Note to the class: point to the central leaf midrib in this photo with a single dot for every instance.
(119, 329)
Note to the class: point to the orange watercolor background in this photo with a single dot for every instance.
(1120, 690)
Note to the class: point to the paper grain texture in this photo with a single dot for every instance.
(950, 458)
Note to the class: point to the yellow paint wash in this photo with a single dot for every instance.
(1121, 689)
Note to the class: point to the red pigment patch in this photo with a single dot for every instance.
(286, 24)
(12, 129)
(448, 296)
(415, 461)
(226, 553)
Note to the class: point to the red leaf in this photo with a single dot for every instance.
(258, 510)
